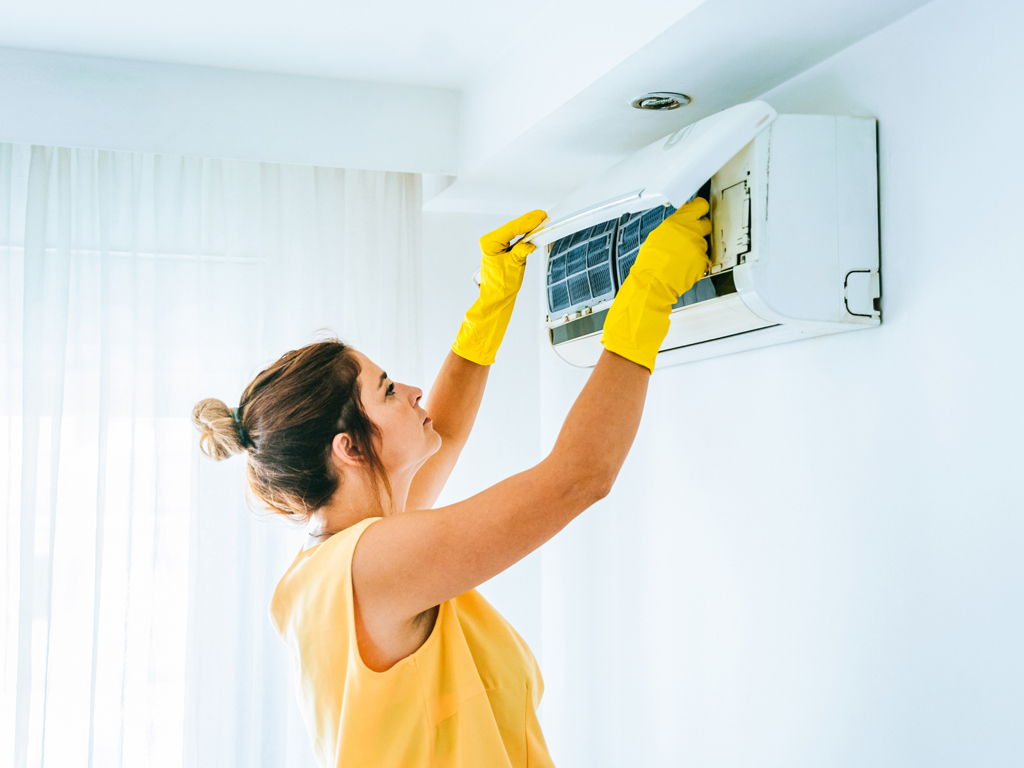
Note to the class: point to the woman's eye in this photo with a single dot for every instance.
(390, 390)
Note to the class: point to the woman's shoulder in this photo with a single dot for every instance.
(315, 541)
(320, 571)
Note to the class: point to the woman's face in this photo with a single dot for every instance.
(407, 433)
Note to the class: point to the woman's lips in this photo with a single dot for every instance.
(427, 420)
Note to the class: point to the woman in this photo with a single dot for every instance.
(400, 661)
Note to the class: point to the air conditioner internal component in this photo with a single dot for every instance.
(794, 245)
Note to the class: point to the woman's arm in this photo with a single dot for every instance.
(454, 401)
(455, 397)
(406, 564)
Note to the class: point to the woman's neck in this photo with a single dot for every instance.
(355, 500)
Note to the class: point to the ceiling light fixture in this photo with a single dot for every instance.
(661, 100)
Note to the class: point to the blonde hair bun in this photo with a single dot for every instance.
(218, 435)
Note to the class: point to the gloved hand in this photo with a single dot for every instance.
(501, 274)
(671, 260)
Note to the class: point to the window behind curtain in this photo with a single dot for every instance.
(136, 582)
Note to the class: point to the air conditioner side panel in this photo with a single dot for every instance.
(816, 218)
(857, 190)
(798, 268)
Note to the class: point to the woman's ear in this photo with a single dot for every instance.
(346, 451)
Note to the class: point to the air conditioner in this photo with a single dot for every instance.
(794, 248)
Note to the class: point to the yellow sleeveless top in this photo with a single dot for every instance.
(467, 698)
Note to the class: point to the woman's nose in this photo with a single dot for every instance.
(415, 393)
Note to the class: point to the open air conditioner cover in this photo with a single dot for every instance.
(670, 170)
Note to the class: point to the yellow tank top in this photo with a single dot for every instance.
(467, 698)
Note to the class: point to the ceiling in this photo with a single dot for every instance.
(543, 86)
(443, 43)
(721, 53)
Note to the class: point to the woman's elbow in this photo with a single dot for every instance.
(584, 482)
(598, 483)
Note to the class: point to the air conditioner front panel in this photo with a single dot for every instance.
(714, 319)
(669, 171)
(701, 323)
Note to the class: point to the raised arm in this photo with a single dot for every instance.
(453, 403)
(407, 564)
(454, 399)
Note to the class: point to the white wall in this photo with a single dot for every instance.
(88, 101)
(813, 555)
(506, 437)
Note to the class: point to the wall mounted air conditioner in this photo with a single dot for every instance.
(794, 249)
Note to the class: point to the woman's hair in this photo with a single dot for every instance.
(289, 416)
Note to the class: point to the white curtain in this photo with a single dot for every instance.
(135, 580)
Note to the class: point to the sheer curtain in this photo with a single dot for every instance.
(135, 580)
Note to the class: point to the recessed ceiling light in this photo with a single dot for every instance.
(661, 100)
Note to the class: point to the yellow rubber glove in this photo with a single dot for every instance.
(671, 260)
(501, 274)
